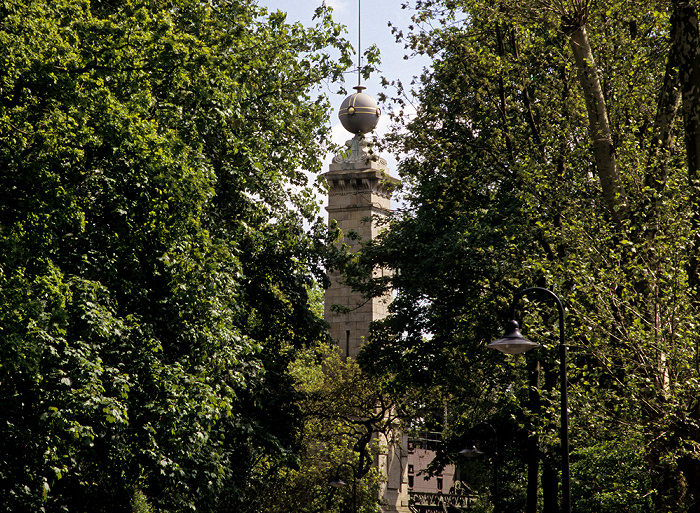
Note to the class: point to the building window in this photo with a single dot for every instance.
(410, 469)
(439, 483)
(410, 481)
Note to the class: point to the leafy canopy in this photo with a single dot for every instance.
(154, 267)
(555, 145)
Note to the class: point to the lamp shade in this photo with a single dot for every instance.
(471, 452)
(512, 341)
(336, 482)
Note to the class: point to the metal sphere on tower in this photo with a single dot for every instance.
(359, 112)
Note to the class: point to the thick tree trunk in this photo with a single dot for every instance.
(533, 447)
(687, 20)
(550, 487)
(550, 474)
(691, 470)
(599, 126)
(666, 112)
(689, 71)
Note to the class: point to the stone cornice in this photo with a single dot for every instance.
(374, 181)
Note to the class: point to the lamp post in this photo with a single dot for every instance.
(512, 342)
(337, 482)
(474, 452)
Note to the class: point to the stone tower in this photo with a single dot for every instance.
(359, 191)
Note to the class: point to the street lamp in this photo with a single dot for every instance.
(474, 452)
(512, 342)
(337, 482)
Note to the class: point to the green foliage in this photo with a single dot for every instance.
(154, 268)
(601, 464)
(139, 503)
(505, 188)
(343, 414)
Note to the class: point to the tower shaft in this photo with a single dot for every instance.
(359, 192)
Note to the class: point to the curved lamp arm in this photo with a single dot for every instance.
(513, 342)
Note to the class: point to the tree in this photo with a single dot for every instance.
(154, 268)
(553, 145)
(345, 419)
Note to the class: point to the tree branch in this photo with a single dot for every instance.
(599, 126)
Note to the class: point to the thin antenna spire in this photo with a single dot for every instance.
(359, 112)
(359, 42)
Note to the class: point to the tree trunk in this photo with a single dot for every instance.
(550, 487)
(550, 475)
(599, 127)
(533, 449)
(666, 112)
(686, 17)
(689, 71)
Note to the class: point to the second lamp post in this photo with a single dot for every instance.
(337, 482)
(474, 452)
(512, 342)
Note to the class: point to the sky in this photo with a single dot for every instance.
(374, 17)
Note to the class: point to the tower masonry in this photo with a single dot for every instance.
(359, 192)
